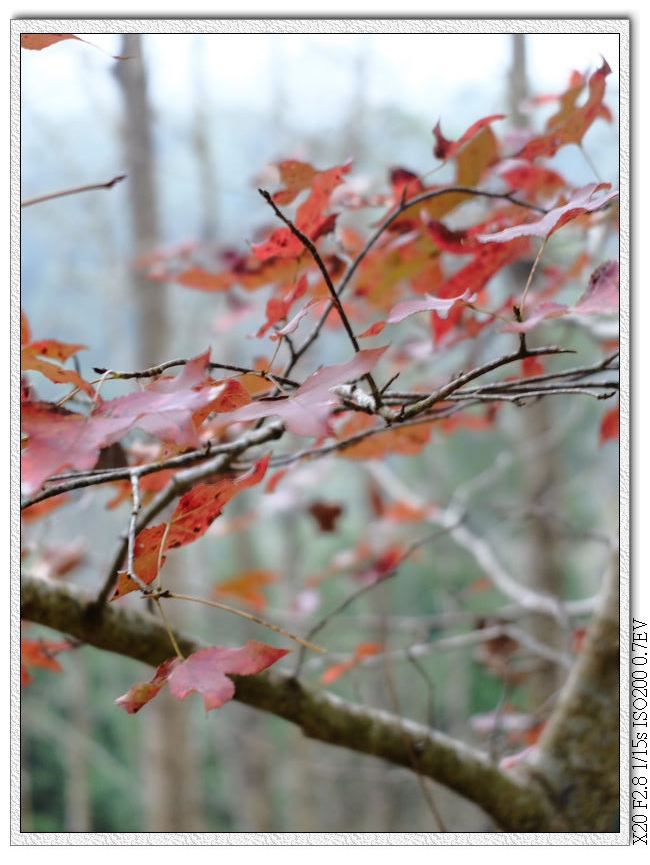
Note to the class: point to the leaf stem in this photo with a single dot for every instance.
(174, 643)
(530, 276)
(243, 614)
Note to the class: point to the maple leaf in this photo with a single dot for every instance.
(405, 440)
(32, 356)
(310, 219)
(361, 651)
(205, 672)
(195, 511)
(569, 124)
(40, 653)
(296, 176)
(534, 180)
(58, 438)
(306, 412)
(246, 586)
(164, 407)
(581, 202)
(445, 148)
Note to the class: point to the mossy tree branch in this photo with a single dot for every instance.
(514, 804)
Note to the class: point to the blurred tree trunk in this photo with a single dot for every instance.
(150, 300)
(203, 149)
(541, 470)
(77, 749)
(171, 788)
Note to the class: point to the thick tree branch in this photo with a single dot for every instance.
(577, 759)
(514, 805)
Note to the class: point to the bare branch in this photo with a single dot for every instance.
(72, 191)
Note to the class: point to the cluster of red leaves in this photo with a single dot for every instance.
(168, 408)
(418, 263)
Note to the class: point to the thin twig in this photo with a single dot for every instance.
(182, 481)
(305, 643)
(309, 245)
(345, 603)
(130, 558)
(72, 191)
(520, 311)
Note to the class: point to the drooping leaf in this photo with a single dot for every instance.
(38, 41)
(600, 297)
(140, 694)
(441, 306)
(582, 201)
(602, 294)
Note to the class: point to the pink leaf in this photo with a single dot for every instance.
(440, 305)
(306, 412)
(291, 325)
(547, 309)
(206, 671)
(582, 202)
(602, 293)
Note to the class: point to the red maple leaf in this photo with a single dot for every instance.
(445, 148)
(195, 512)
